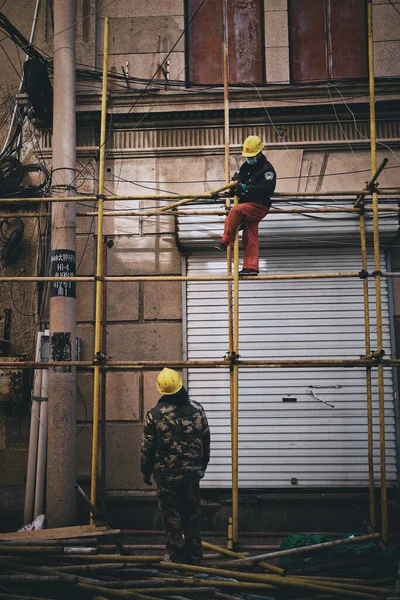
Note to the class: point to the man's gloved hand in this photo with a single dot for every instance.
(147, 480)
(241, 188)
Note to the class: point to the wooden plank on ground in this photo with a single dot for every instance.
(60, 533)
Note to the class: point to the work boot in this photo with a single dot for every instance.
(248, 272)
(222, 247)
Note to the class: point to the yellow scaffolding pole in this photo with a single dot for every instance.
(377, 273)
(368, 375)
(359, 204)
(99, 278)
(217, 212)
(208, 194)
(224, 364)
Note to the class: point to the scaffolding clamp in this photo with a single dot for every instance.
(100, 358)
(233, 357)
(376, 355)
(373, 187)
(363, 274)
(377, 274)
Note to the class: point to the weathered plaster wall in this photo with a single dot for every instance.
(144, 319)
(386, 23)
(141, 35)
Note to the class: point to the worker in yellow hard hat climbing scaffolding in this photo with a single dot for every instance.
(256, 184)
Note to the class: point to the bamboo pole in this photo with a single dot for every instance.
(382, 444)
(225, 69)
(304, 549)
(207, 194)
(99, 277)
(216, 212)
(251, 364)
(235, 393)
(368, 375)
(111, 279)
(272, 579)
(224, 551)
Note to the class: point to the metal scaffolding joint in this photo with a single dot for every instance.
(376, 355)
(377, 273)
(363, 274)
(100, 358)
(233, 357)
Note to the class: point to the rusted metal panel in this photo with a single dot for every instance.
(205, 41)
(246, 46)
(245, 41)
(348, 39)
(327, 39)
(307, 40)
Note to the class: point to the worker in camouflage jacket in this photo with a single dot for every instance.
(176, 451)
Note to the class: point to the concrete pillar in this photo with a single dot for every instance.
(61, 469)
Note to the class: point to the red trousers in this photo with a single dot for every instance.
(251, 213)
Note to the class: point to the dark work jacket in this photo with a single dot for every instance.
(260, 180)
(176, 440)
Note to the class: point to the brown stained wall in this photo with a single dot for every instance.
(144, 322)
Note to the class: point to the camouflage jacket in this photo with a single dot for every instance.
(176, 440)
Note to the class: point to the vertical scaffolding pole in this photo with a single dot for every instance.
(377, 273)
(61, 469)
(232, 317)
(99, 275)
(368, 377)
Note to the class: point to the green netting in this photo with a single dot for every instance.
(374, 561)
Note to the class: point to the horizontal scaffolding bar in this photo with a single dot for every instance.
(112, 279)
(199, 196)
(183, 213)
(205, 364)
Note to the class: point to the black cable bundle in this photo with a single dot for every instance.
(11, 233)
(39, 89)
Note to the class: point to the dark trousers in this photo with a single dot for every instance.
(180, 509)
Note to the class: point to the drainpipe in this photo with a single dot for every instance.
(40, 488)
(61, 469)
(33, 437)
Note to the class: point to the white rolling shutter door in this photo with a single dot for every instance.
(288, 432)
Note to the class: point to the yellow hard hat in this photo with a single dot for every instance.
(169, 382)
(252, 146)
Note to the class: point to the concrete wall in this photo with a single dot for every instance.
(141, 36)
(386, 23)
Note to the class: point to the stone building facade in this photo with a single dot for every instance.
(169, 137)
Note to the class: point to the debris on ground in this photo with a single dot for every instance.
(92, 562)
